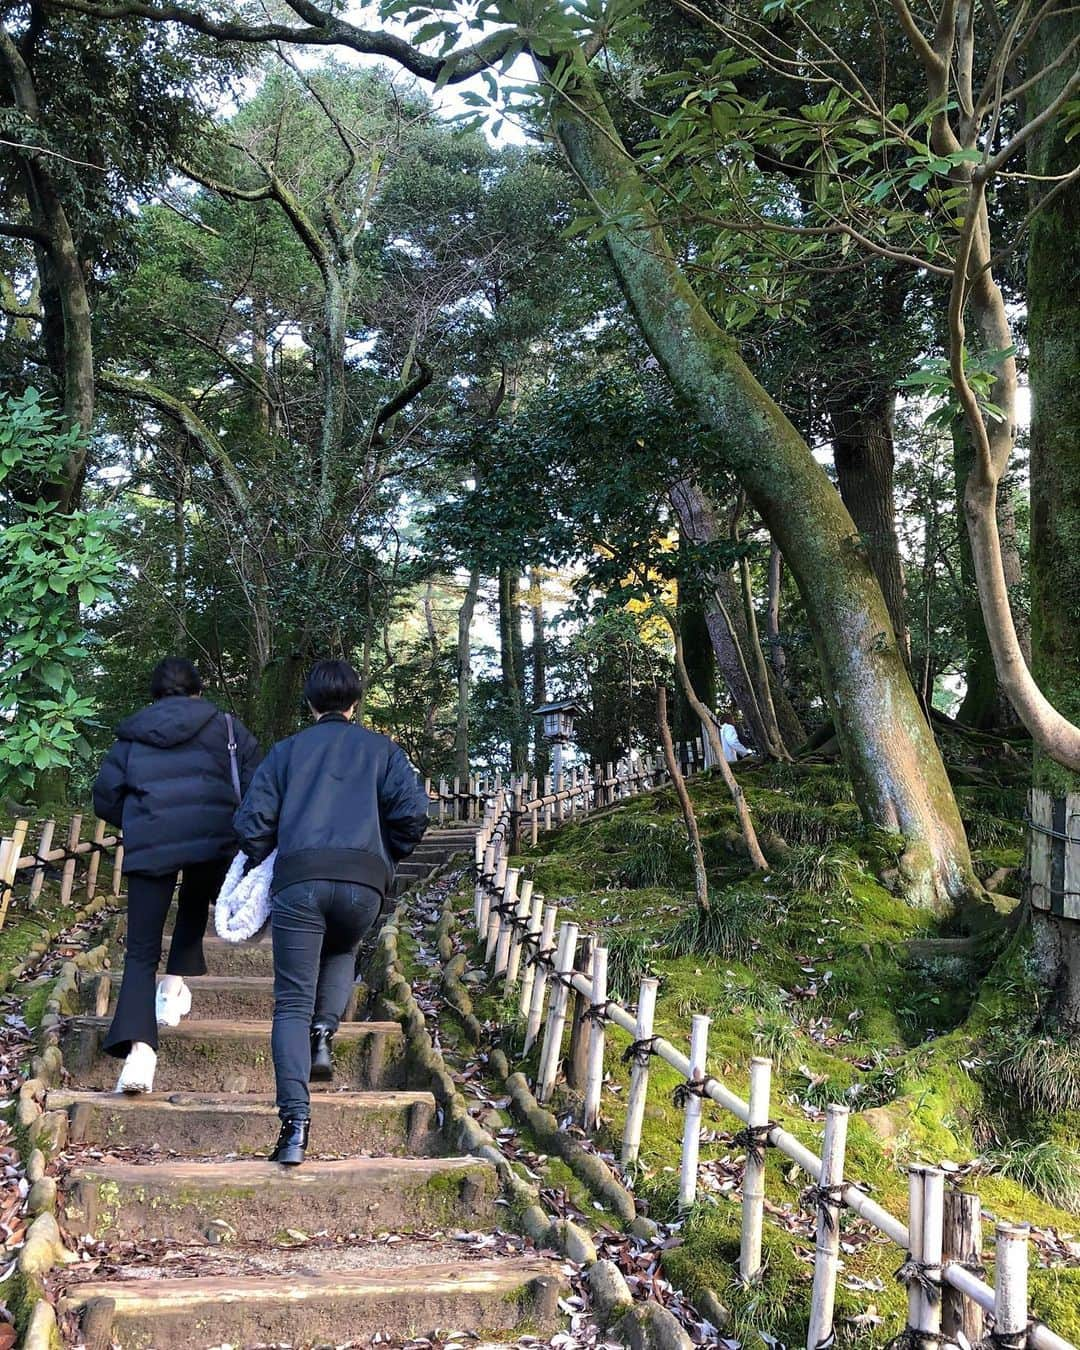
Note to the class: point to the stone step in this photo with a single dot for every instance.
(180, 1202)
(316, 1307)
(234, 1056)
(214, 1124)
(419, 868)
(238, 958)
(243, 998)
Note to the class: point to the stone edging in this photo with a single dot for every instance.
(644, 1326)
(41, 1133)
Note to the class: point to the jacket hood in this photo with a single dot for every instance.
(168, 722)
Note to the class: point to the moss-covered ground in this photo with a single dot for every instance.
(822, 966)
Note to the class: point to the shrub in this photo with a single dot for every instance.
(727, 928)
(821, 869)
(1048, 1168)
(629, 958)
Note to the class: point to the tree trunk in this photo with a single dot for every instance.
(541, 755)
(708, 723)
(863, 455)
(180, 484)
(983, 706)
(759, 670)
(891, 755)
(513, 661)
(464, 675)
(1054, 336)
(777, 658)
(693, 834)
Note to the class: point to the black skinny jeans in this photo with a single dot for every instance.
(149, 899)
(317, 927)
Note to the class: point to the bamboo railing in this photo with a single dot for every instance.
(941, 1240)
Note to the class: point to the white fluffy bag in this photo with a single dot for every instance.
(242, 910)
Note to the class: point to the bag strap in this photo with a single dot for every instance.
(234, 768)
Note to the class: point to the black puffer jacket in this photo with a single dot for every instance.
(167, 782)
(338, 802)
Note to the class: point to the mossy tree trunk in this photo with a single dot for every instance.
(894, 762)
(1054, 335)
(541, 752)
(700, 663)
(512, 659)
(464, 675)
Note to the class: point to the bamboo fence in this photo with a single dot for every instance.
(941, 1240)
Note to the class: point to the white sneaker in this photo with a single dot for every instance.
(137, 1075)
(169, 1008)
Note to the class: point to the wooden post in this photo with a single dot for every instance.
(594, 1066)
(118, 867)
(509, 903)
(529, 950)
(753, 1187)
(639, 1071)
(540, 978)
(1011, 1284)
(933, 1217)
(94, 861)
(517, 933)
(67, 879)
(9, 862)
(577, 1052)
(515, 817)
(915, 1241)
(962, 1242)
(827, 1245)
(553, 1034)
(691, 1144)
(497, 886)
(44, 845)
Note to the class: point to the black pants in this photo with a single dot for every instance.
(149, 899)
(317, 927)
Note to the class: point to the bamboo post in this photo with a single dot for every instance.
(547, 802)
(118, 867)
(483, 893)
(9, 862)
(529, 949)
(915, 1244)
(506, 920)
(827, 1245)
(535, 825)
(962, 1242)
(442, 801)
(639, 1071)
(540, 977)
(753, 1187)
(691, 1144)
(522, 918)
(1011, 1285)
(497, 886)
(577, 1051)
(44, 845)
(553, 1034)
(609, 784)
(594, 1067)
(933, 1218)
(94, 861)
(67, 880)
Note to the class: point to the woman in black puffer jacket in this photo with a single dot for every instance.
(172, 784)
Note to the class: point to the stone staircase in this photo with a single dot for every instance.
(205, 1243)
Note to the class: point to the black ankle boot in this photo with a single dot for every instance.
(322, 1055)
(292, 1143)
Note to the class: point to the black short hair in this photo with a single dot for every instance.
(175, 675)
(332, 686)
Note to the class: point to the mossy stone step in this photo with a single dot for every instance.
(494, 1297)
(238, 958)
(180, 1201)
(213, 1124)
(244, 998)
(234, 1056)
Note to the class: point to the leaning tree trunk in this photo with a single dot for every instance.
(693, 834)
(541, 756)
(1054, 336)
(894, 762)
(777, 656)
(863, 453)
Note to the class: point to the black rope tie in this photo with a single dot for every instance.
(754, 1139)
(543, 956)
(826, 1200)
(1009, 1340)
(693, 1087)
(910, 1339)
(927, 1277)
(640, 1052)
(597, 1012)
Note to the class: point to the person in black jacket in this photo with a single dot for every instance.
(172, 781)
(342, 805)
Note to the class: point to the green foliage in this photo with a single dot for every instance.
(727, 928)
(776, 1036)
(51, 566)
(1047, 1167)
(658, 853)
(823, 870)
(630, 953)
(1042, 1071)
